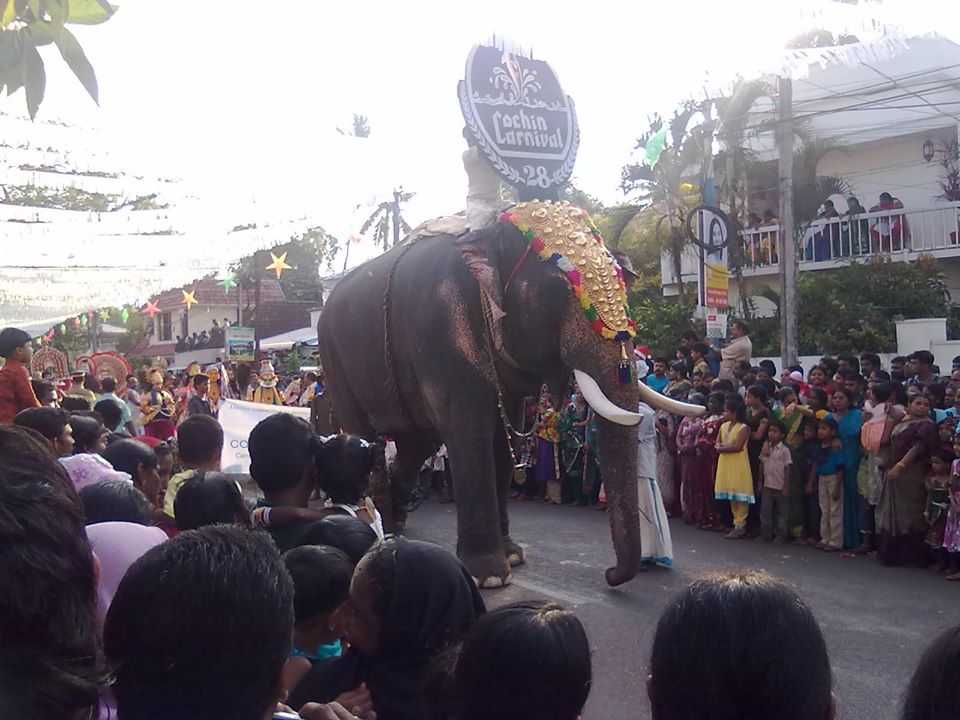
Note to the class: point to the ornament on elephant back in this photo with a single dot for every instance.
(565, 236)
(49, 358)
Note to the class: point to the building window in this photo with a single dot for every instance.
(166, 328)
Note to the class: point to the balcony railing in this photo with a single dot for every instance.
(905, 232)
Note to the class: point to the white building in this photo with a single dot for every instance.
(881, 119)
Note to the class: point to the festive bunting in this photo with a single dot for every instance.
(189, 298)
(228, 281)
(152, 309)
(279, 264)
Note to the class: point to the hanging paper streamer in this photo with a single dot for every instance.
(655, 146)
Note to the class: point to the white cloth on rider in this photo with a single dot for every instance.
(483, 189)
(656, 544)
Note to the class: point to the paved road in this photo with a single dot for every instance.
(877, 620)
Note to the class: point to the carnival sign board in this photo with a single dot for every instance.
(517, 114)
(240, 344)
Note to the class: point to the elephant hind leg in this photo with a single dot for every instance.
(504, 459)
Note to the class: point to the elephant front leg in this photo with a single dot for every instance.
(472, 459)
(504, 457)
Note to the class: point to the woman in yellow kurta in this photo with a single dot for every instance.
(734, 479)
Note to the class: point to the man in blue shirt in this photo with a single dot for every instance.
(658, 379)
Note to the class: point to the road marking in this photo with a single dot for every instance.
(565, 597)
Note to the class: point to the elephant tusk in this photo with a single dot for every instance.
(674, 407)
(601, 404)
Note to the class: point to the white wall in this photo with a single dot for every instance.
(893, 165)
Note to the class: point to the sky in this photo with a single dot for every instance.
(242, 100)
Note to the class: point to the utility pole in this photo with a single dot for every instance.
(788, 245)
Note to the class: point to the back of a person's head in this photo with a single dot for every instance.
(321, 579)
(199, 440)
(50, 663)
(349, 534)
(48, 421)
(87, 431)
(75, 403)
(174, 658)
(128, 455)
(528, 661)
(110, 411)
(209, 498)
(748, 644)
(343, 468)
(934, 690)
(282, 449)
(115, 501)
(108, 384)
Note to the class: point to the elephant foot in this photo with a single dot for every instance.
(513, 552)
(615, 576)
(488, 571)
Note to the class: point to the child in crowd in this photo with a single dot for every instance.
(209, 498)
(200, 445)
(776, 460)
(951, 532)
(706, 454)
(937, 484)
(829, 470)
(734, 479)
(321, 580)
(817, 403)
(687, 435)
(807, 461)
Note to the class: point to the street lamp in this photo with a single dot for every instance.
(928, 150)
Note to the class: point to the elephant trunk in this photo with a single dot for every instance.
(618, 468)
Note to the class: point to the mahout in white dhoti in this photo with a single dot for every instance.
(656, 545)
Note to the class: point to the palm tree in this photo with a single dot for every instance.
(664, 189)
(386, 221)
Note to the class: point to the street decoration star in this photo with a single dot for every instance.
(228, 282)
(104, 315)
(152, 309)
(189, 298)
(279, 264)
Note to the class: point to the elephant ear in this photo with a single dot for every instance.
(480, 258)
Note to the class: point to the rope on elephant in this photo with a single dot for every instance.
(390, 381)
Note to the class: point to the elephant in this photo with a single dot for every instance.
(440, 339)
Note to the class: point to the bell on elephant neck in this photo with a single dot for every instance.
(624, 373)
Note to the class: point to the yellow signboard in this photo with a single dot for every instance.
(718, 286)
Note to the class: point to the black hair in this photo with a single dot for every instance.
(128, 455)
(108, 384)
(343, 465)
(163, 449)
(209, 498)
(87, 430)
(281, 449)
(871, 358)
(843, 391)
(852, 360)
(344, 532)
(110, 411)
(722, 385)
(899, 359)
(160, 635)
(934, 690)
(199, 439)
(115, 501)
(775, 423)
(848, 374)
(820, 394)
(91, 383)
(661, 360)
(725, 635)
(900, 396)
(758, 391)
(74, 403)
(924, 357)
(11, 340)
(881, 375)
(48, 421)
(735, 403)
(716, 398)
(829, 365)
(768, 365)
(786, 393)
(742, 325)
(526, 661)
(882, 391)
(689, 335)
(938, 391)
(321, 579)
(42, 389)
(50, 660)
(200, 379)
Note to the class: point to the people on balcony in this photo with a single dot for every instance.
(889, 233)
(855, 233)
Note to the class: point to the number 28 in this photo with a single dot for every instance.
(536, 175)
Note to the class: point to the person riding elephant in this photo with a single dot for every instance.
(440, 339)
